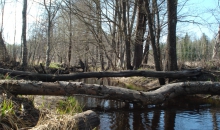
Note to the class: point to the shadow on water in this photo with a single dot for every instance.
(179, 114)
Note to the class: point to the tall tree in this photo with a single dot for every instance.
(153, 41)
(3, 51)
(99, 33)
(70, 33)
(24, 42)
(126, 38)
(140, 31)
(51, 13)
(171, 57)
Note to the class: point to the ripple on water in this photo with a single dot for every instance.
(205, 119)
(202, 119)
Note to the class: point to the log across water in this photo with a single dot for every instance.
(128, 73)
(158, 96)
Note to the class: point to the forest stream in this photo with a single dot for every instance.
(183, 114)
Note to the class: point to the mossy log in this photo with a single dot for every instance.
(158, 96)
(128, 73)
(87, 120)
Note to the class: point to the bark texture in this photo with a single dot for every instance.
(128, 73)
(158, 96)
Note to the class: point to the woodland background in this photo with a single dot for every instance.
(110, 34)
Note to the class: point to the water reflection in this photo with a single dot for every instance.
(157, 119)
(115, 115)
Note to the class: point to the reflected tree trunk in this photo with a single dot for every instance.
(156, 120)
(214, 120)
(169, 119)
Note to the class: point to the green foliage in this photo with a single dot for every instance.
(8, 118)
(6, 76)
(69, 106)
(6, 107)
(194, 50)
(55, 65)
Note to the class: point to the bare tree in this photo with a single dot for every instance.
(140, 31)
(153, 41)
(51, 13)
(171, 57)
(24, 42)
(126, 38)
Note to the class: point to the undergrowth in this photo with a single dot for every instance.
(55, 65)
(69, 106)
(8, 119)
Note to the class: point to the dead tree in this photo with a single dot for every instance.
(158, 96)
(128, 73)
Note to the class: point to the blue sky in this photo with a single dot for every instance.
(203, 10)
(199, 8)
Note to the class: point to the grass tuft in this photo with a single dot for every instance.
(8, 119)
(69, 106)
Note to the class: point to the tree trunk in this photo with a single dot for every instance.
(129, 73)
(24, 42)
(171, 57)
(153, 42)
(140, 31)
(48, 43)
(126, 39)
(157, 28)
(3, 51)
(70, 34)
(216, 47)
(158, 96)
(146, 50)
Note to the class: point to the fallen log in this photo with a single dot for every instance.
(128, 73)
(87, 120)
(158, 96)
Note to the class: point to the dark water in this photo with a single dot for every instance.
(123, 116)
